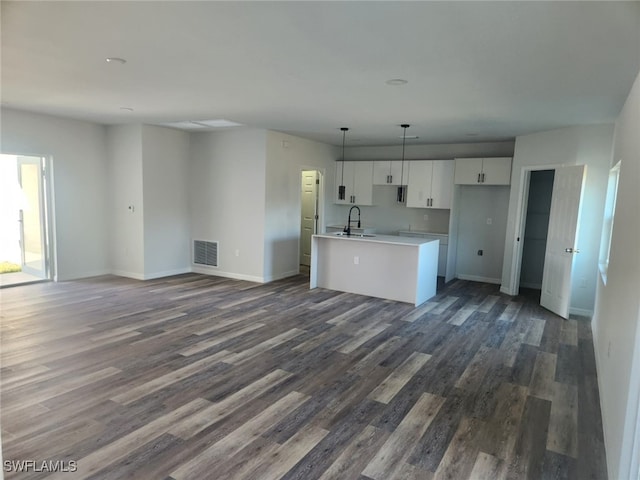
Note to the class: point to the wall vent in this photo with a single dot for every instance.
(205, 253)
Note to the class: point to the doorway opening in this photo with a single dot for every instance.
(535, 232)
(24, 241)
(562, 236)
(309, 215)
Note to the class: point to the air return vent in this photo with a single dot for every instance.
(205, 253)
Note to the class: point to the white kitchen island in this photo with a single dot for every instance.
(385, 266)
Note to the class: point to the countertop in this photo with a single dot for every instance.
(389, 239)
(422, 232)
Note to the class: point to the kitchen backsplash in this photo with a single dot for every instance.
(388, 217)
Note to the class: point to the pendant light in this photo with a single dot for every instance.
(402, 189)
(341, 189)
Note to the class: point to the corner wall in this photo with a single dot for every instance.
(287, 156)
(165, 164)
(227, 199)
(79, 167)
(126, 201)
(616, 323)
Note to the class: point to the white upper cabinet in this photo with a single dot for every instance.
(441, 184)
(358, 182)
(483, 171)
(389, 172)
(430, 183)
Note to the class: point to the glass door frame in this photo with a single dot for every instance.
(45, 202)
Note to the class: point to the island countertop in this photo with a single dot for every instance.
(385, 266)
(393, 239)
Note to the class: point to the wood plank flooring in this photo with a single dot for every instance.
(198, 377)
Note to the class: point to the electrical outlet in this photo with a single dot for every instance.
(237, 253)
(480, 253)
(489, 221)
(426, 217)
(356, 260)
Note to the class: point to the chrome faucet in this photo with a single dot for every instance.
(347, 229)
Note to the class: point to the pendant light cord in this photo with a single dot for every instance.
(404, 136)
(344, 132)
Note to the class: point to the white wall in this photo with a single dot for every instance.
(476, 204)
(287, 156)
(588, 145)
(126, 225)
(165, 164)
(616, 323)
(227, 199)
(78, 153)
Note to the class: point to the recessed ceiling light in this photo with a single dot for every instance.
(397, 81)
(126, 109)
(411, 137)
(116, 60)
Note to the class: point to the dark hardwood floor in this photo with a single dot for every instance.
(199, 377)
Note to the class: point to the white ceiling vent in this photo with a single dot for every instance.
(205, 253)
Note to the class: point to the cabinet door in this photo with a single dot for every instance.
(362, 193)
(468, 171)
(382, 172)
(441, 184)
(419, 183)
(496, 171)
(389, 172)
(344, 178)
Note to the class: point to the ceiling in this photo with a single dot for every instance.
(476, 71)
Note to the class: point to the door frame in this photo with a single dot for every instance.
(521, 220)
(320, 227)
(48, 211)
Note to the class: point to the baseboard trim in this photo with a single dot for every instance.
(219, 273)
(475, 278)
(167, 273)
(582, 312)
(506, 291)
(280, 276)
(124, 273)
(535, 286)
(78, 276)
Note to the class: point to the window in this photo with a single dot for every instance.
(607, 224)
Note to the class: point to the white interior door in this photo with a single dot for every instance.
(309, 214)
(31, 217)
(561, 239)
